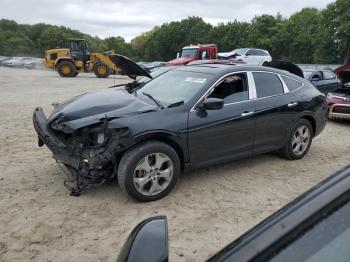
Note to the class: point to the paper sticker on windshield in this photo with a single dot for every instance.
(195, 80)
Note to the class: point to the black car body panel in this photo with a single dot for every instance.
(287, 66)
(129, 67)
(98, 127)
(147, 242)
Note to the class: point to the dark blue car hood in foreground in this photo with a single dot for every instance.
(91, 107)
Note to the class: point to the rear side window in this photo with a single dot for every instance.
(267, 84)
(255, 52)
(328, 75)
(291, 83)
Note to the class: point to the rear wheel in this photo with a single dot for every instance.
(149, 171)
(101, 70)
(299, 141)
(67, 69)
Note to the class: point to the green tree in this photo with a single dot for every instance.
(230, 36)
(336, 32)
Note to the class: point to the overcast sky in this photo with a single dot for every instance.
(129, 18)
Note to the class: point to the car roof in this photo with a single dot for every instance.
(226, 69)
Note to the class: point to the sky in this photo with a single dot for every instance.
(129, 18)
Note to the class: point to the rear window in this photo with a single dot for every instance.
(291, 83)
(267, 84)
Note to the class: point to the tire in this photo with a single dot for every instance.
(265, 64)
(101, 70)
(290, 150)
(66, 69)
(131, 165)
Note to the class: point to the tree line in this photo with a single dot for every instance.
(308, 36)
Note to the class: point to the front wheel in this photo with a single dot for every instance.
(67, 69)
(299, 141)
(102, 70)
(149, 171)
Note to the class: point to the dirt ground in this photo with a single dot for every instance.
(208, 208)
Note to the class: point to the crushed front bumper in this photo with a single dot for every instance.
(61, 152)
(339, 111)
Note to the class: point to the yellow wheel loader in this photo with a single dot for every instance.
(70, 61)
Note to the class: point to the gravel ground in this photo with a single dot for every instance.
(208, 208)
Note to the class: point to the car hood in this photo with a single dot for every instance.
(129, 67)
(287, 66)
(343, 73)
(181, 60)
(94, 107)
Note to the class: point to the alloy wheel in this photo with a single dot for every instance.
(301, 140)
(153, 174)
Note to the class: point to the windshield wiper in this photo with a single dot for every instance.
(180, 103)
(153, 99)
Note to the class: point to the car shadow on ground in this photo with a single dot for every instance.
(195, 180)
(341, 122)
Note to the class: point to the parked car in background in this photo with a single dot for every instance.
(33, 63)
(314, 227)
(287, 66)
(217, 61)
(3, 58)
(339, 99)
(251, 56)
(151, 65)
(324, 80)
(17, 61)
(189, 117)
(195, 52)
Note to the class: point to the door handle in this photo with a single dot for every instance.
(245, 114)
(292, 104)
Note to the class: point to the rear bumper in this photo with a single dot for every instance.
(339, 111)
(61, 152)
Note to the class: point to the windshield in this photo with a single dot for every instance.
(173, 87)
(240, 51)
(155, 73)
(192, 52)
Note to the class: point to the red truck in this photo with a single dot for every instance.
(195, 52)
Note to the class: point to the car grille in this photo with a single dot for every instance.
(341, 109)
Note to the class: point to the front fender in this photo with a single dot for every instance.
(177, 140)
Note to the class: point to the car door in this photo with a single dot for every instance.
(248, 57)
(274, 112)
(330, 81)
(317, 80)
(225, 134)
(251, 57)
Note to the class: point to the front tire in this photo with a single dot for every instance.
(299, 141)
(102, 70)
(149, 171)
(67, 69)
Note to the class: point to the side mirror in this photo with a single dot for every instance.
(213, 103)
(148, 241)
(178, 55)
(248, 54)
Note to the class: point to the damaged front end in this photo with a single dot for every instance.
(90, 153)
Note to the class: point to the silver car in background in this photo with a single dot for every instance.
(252, 56)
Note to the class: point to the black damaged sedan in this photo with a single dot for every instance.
(186, 118)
